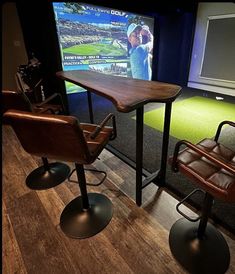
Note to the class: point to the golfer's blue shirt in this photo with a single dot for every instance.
(140, 63)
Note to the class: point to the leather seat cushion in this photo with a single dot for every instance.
(210, 177)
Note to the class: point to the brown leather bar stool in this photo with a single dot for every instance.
(195, 243)
(12, 100)
(49, 174)
(62, 137)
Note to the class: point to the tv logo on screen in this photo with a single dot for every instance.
(116, 12)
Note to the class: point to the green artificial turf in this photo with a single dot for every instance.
(192, 119)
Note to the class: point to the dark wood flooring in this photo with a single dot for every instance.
(135, 241)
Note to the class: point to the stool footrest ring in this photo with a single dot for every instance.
(182, 201)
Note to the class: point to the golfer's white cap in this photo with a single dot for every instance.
(132, 27)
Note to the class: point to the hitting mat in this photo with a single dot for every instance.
(192, 119)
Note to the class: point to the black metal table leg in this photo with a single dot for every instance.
(159, 176)
(160, 180)
(90, 107)
(139, 153)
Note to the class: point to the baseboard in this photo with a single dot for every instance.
(216, 89)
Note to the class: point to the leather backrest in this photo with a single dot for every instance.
(13, 100)
(52, 136)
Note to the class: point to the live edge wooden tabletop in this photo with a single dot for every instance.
(126, 94)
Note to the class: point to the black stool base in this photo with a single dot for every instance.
(78, 223)
(40, 179)
(209, 255)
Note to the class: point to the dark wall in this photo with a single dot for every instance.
(174, 41)
(39, 30)
(174, 30)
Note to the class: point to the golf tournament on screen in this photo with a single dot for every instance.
(96, 38)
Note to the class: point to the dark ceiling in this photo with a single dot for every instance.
(147, 6)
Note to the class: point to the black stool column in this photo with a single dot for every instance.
(198, 246)
(87, 214)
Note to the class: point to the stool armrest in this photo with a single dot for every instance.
(231, 123)
(98, 129)
(195, 148)
(45, 110)
(48, 99)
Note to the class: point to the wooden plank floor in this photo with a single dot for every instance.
(135, 241)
